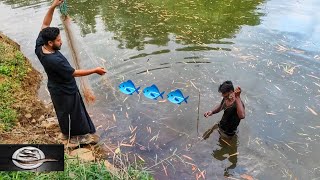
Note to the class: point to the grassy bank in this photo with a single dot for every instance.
(75, 169)
(19, 83)
(13, 69)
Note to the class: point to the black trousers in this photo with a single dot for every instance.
(71, 107)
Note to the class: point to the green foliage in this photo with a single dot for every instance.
(8, 117)
(13, 69)
(6, 70)
(139, 174)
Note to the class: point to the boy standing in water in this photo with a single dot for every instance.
(73, 118)
(234, 111)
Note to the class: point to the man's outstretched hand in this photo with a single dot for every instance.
(100, 70)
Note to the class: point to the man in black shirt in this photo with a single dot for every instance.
(71, 112)
(233, 111)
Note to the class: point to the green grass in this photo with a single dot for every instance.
(75, 169)
(13, 69)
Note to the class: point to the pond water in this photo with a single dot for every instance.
(270, 48)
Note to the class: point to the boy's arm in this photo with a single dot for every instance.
(240, 107)
(215, 110)
(48, 18)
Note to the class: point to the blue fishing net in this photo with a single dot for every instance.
(64, 8)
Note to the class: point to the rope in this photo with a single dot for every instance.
(69, 130)
(86, 89)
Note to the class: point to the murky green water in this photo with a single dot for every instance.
(269, 48)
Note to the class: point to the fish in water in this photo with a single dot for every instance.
(177, 97)
(152, 92)
(128, 87)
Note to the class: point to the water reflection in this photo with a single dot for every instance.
(137, 23)
(22, 3)
(84, 14)
(228, 150)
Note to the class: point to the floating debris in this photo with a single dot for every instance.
(149, 129)
(140, 158)
(316, 84)
(282, 48)
(289, 147)
(154, 138)
(237, 153)
(271, 113)
(277, 87)
(114, 118)
(117, 151)
(313, 76)
(127, 145)
(193, 168)
(132, 129)
(125, 99)
(301, 134)
(225, 142)
(165, 170)
(289, 69)
(133, 139)
(312, 111)
(187, 157)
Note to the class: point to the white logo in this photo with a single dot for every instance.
(28, 157)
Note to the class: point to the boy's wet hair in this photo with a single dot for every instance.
(225, 87)
(49, 34)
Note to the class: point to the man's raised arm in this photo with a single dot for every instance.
(48, 18)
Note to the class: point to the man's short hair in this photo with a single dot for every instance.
(49, 34)
(225, 87)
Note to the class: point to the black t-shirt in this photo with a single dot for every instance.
(230, 119)
(58, 69)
